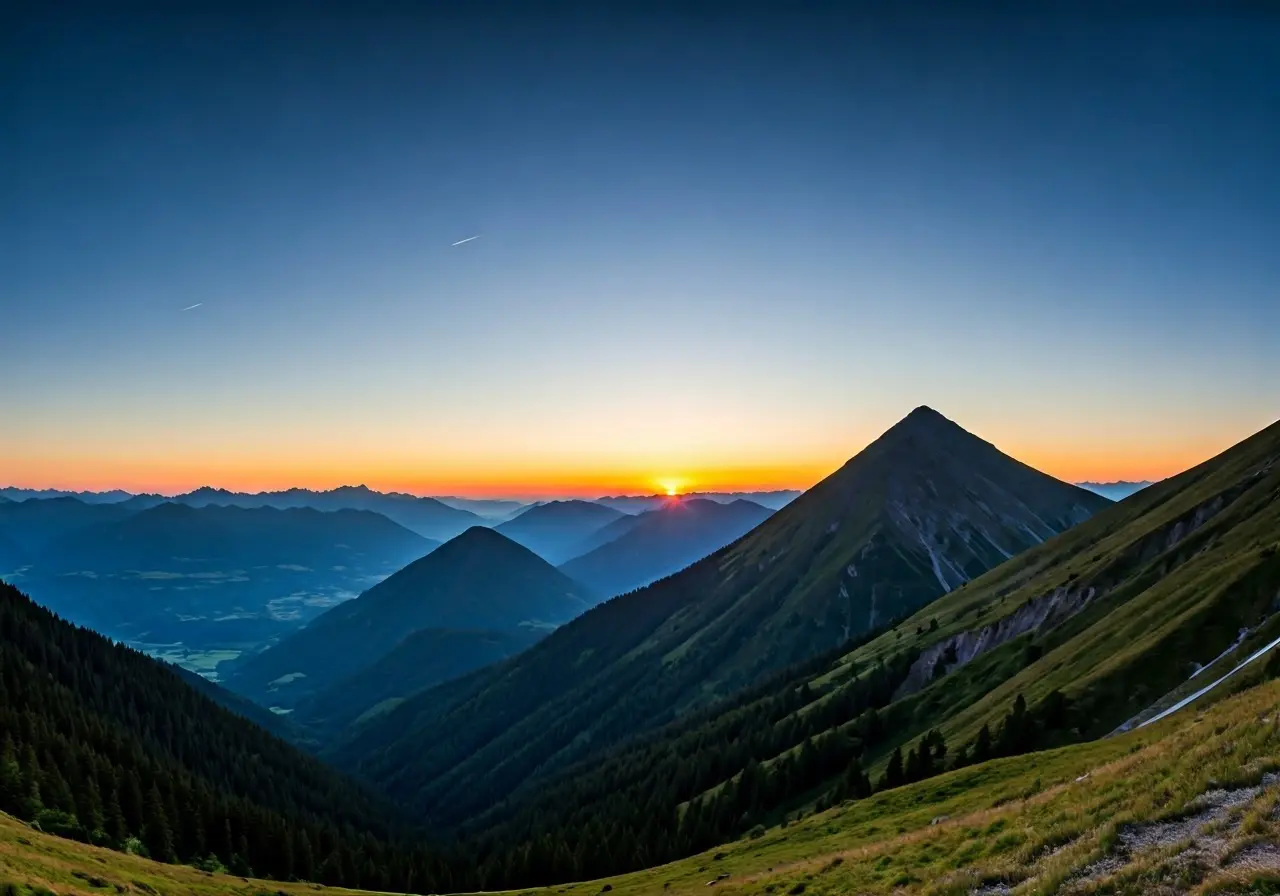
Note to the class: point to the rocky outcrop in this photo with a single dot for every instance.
(1057, 606)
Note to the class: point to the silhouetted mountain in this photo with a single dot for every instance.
(424, 658)
(660, 542)
(1116, 491)
(924, 508)
(144, 502)
(555, 529)
(34, 522)
(426, 516)
(479, 580)
(774, 500)
(23, 494)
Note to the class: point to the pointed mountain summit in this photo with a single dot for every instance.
(480, 580)
(922, 509)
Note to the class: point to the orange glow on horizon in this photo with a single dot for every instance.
(557, 464)
(526, 481)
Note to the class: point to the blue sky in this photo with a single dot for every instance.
(729, 243)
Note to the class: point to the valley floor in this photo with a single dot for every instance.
(1189, 805)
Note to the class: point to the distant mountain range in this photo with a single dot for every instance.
(22, 494)
(635, 550)
(426, 516)
(555, 530)
(922, 510)
(488, 508)
(1116, 491)
(479, 581)
(774, 500)
(196, 578)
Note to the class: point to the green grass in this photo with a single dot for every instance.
(1026, 821)
(1031, 821)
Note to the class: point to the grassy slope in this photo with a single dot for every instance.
(1032, 822)
(1160, 608)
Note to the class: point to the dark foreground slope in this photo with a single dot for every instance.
(661, 542)
(922, 509)
(478, 581)
(101, 743)
(1187, 805)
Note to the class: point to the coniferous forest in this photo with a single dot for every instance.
(102, 744)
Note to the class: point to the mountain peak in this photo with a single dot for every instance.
(483, 539)
(925, 419)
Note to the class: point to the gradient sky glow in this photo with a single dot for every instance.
(728, 246)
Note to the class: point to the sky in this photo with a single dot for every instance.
(724, 245)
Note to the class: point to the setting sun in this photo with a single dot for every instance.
(671, 486)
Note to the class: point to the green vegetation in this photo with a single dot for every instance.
(1056, 646)
(1088, 818)
(102, 744)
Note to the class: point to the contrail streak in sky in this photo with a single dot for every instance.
(467, 240)
(196, 305)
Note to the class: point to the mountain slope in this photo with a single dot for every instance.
(1084, 814)
(922, 509)
(479, 580)
(101, 743)
(421, 660)
(553, 530)
(660, 542)
(1149, 603)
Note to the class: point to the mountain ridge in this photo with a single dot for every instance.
(846, 554)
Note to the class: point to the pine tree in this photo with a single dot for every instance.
(11, 787)
(982, 745)
(157, 834)
(894, 775)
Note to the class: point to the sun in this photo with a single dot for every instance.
(671, 486)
